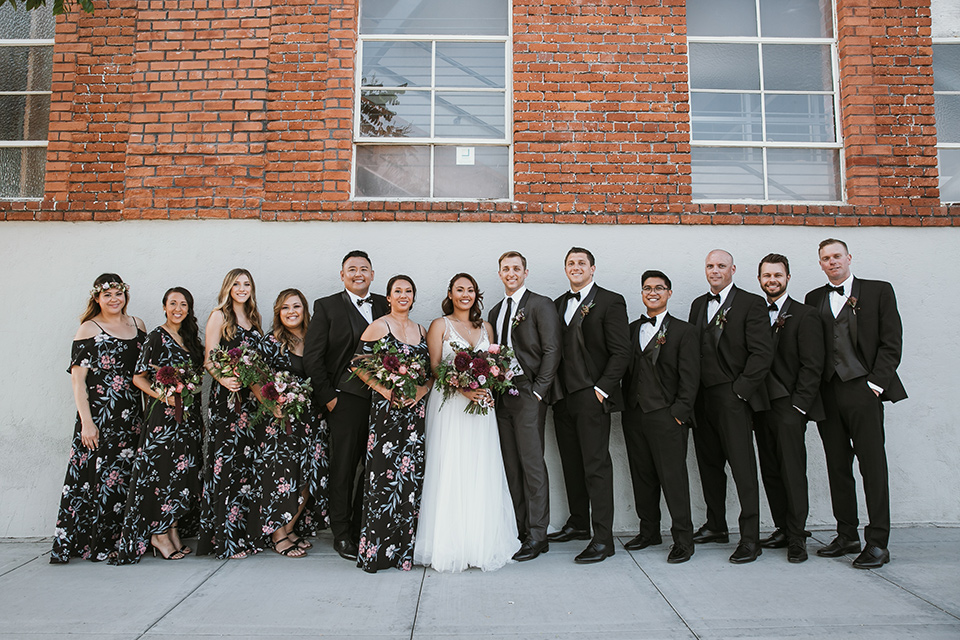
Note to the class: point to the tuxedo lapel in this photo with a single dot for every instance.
(583, 309)
(783, 315)
(357, 321)
(851, 301)
(514, 326)
(722, 312)
(653, 340)
(492, 319)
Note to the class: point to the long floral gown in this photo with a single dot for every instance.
(229, 472)
(287, 463)
(166, 483)
(393, 477)
(95, 488)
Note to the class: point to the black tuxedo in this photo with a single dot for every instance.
(862, 344)
(596, 351)
(536, 340)
(735, 355)
(793, 383)
(659, 388)
(329, 346)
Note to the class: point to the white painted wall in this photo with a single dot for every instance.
(945, 18)
(48, 269)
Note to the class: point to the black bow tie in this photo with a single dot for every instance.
(573, 296)
(363, 301)
(644, 320)
(773, 306)
(837, 289)
(713, 296)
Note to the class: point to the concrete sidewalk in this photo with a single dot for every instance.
(629, 596)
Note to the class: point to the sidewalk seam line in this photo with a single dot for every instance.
(180, 601)
(915, 595)
(12, 569)
(662, 595)
(416, 609)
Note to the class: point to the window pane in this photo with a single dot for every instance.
(803, 174)
(471, 64)
(26, 68)
(724, 66)
(24, 117)
(796, 67)
(727, 174)
(806, 118)
(470, 115)
(435, 17)
(22, 172)
(947, 110)
(393, 172)
(726, 116)
(395, 114)
(396, 64)
(487, 177)
(721, 18)
(19, 24)
(946, 67)
(949, 163)
(796, 19)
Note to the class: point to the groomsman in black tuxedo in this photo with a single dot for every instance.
(596, 350)
(528, 323)
(659, 389)
(793, 386)
(863, 339)
(331, 341)
(735, 356)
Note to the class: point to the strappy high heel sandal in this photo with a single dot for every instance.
(289, 550)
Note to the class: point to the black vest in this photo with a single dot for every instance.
(844, 361)
(711, 371)
(573, 372)
(650, 395)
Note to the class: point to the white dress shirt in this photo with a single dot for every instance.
(647, 330)
(573, 304)
(365, 309)
(836, 300)
(517, 295)
(778, 303)
(713, 305)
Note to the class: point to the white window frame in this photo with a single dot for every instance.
(433, 142)
(837, 144)
(945, 145)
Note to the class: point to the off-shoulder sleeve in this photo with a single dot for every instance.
(84, 354)
(150, 353)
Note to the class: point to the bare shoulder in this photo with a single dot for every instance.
(140, 324)
(87, 330)
(375, 330)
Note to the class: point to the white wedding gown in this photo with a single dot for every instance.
(466, 514)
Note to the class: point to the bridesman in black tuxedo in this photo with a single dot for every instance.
(329, 346)
(793, 387)
(528, 323)
(863, 340)
(659, 390)
(596, 350)
(735, 356)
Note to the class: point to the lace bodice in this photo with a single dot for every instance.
(453, 341)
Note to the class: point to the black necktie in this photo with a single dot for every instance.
(572, 295)
(773, 306)
(837, 289)
(713, 296)
(363, 301)
(505, 327)
(644, 320)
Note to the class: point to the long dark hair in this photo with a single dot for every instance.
(280, 331)
(189, 328)
(476, 311)
(93, 305)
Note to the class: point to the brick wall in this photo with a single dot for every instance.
(243, 109)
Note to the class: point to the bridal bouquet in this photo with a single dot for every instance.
(396, 367)
(243, 363)
(178, 381)
(285, 391)
(490, 368)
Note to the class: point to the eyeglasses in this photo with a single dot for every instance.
(659, 289)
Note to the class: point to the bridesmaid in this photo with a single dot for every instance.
(394, 464)
(166, 474)
(283, 460)
(230, 473)
(107, 428)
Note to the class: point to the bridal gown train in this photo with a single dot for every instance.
(466, 513)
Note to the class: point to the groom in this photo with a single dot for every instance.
(528, 323)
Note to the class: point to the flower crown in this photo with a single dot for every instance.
(103, 286)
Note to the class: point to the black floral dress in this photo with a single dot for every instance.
(229, 472)
(96, 483)
(287, 463)
(394, 477)
(166, 483)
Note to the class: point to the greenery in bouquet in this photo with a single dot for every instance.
(285, 392)
(396, 367)
(490, 369)
(177, 381)
(243, 363)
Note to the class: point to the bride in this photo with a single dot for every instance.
(466, 514)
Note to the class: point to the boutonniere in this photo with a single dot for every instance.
(518, 317)
(779, 322)
(585, 309)
(852, 301)
(661, 338)
(721, 318)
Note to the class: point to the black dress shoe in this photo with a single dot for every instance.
(679, 553)
(346, 549)
(873, 557)
(839, 547)
(567, 534)
(642, 541)
(530, 549)
(595, 552)
(746, 552)
(797, 551)
(703, 534)
(776, 540)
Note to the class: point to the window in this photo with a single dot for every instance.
(763, 101)
(26, 66)
(432, 117)
(946, 93)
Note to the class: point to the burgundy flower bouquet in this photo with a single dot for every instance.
(479, 369)
(177, 381)
(285, 391)
(243, 363)
(396, 367)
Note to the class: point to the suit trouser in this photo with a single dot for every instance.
(521, 420)
(783, 465)
(349, 424)
(724, 434)
(583, 437)
(657, 453)
(854, 427)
